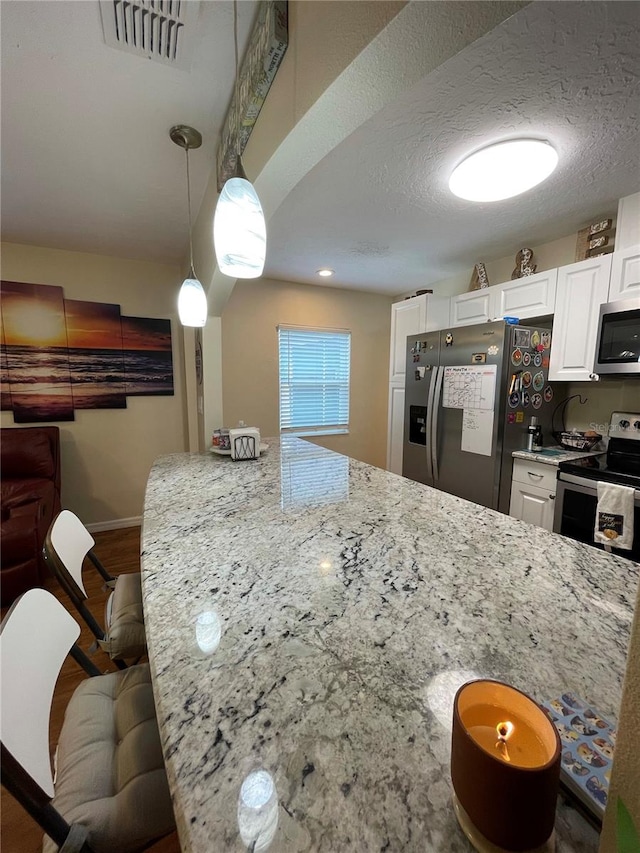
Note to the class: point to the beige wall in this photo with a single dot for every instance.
(106, 454)
(250, 357)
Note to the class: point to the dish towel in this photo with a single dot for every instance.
(614, 516)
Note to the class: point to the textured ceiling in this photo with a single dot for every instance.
(87, 163)
(378, 210)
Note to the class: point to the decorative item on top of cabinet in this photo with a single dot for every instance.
(479, 277)
(594, 240)
(524, 264)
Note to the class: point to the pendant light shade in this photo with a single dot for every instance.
(239, 229)
(192, 300)
(192, 303)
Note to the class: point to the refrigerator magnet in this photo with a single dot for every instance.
(519, 417)
(545, 340)
(525, 399)
(536, 401)
(538, 381)
(526, 359)
(514, 400)
(493, 350)
(511, 417)
(535, 338)
(522, 338)
(537, 360)
(548, 394)
(448, 339)
(516, 357)
(526, 379)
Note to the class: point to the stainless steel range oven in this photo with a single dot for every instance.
(577, 488)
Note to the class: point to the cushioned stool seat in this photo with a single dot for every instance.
(125, 635)
(110, 772)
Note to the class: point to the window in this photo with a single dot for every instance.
(314, 380)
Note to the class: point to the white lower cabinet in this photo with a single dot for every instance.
(533, 492)
(395, 428)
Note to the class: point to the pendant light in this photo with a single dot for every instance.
(239, 230)
(192, 300)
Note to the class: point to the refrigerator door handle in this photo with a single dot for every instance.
(434, 423)
(432, 388)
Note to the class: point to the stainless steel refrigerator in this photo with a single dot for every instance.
(470, 393)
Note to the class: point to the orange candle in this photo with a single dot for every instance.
(505, 764)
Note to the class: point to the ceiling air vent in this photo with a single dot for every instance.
(154, 29)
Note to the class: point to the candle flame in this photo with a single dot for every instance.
(504, 730)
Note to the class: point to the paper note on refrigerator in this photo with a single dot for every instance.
(477, 431)
(470, 386)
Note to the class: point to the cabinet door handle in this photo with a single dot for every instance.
(538, 476)
(552, 497)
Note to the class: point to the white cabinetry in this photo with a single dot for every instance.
(533, 492)
(582, 288)
(470, 308)
(625, 274)
(531, 296)
(395, 432)
(407, 318)
(425, 313)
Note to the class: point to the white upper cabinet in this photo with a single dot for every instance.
(407, 318)
(470, 308)
(531, 296)
(625, 274)
(582, 288)
(425, 313)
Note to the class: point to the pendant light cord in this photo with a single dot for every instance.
(189, 206)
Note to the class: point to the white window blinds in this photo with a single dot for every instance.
(314, 380)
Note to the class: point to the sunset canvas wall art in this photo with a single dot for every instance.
(96, 359)
(37, 355)
(58, 355)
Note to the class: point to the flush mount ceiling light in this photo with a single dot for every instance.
(503, 170)
(192, 300)
(325, 272)
(239, 230)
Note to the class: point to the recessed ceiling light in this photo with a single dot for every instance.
(503, 170)
(325, 272)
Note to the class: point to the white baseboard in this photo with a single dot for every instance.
(114, 524)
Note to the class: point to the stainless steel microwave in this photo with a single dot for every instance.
(618, 342)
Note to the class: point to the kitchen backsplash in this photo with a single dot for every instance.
(602, 398)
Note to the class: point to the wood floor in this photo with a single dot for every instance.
(119, 551)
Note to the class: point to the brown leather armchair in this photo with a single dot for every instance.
(29, 501)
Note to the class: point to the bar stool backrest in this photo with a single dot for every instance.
(71, 542)
(35, 638)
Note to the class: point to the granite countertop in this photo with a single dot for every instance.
(352, 604)
(554, 455)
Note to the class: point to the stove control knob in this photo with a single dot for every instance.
(624, 424)
(636, 425)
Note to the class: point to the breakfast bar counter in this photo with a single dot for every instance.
(309, 619)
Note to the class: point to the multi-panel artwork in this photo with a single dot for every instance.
(58, 355)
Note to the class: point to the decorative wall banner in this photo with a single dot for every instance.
(58, 355)
(267, 47)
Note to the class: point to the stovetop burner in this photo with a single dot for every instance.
(596, 468)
